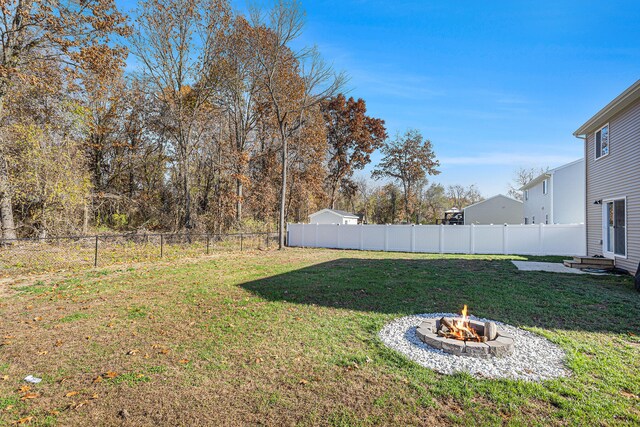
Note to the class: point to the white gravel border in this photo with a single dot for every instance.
(534, 357)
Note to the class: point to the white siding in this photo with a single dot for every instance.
(495, 210)
(326, 217)
(538, 205)
(568, 191)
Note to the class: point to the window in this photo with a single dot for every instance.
(546, 219)
(533, 220)
(545, 186)
(526, 194)
(526, 221)
(602, 141)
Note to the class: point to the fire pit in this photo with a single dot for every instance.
(464, 337)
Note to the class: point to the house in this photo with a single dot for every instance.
(556, 196)
(498, 209)
(333, 216)
(612, 170)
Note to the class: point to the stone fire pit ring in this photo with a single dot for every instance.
(499, 345)
(534, 358)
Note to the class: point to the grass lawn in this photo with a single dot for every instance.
(290, 338)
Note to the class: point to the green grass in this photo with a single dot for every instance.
(291, 339)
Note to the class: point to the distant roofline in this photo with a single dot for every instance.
(492, 197)
(537, 180)
(344, 215)
(631, 94)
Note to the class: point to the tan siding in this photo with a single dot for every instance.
(616, 176)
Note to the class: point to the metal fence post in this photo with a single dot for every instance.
(95, 255)
(161, 244)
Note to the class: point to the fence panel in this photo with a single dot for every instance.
(534, 239)
(20, 256)
(427, 238)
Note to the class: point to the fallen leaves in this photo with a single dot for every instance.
(133, 352)
(71, 393)
(28, 396)
(97, 379)
(110, 374)
(24, 420)
(184, 361)
(4, 377)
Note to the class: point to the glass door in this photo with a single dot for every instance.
(614, 228)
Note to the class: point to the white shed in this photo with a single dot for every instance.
(332, 216)
(498, 209)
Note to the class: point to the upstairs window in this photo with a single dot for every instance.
(602, 141)
(526, 194)
(545, 186)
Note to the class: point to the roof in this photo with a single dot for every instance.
(622, 101)
(491, 198)
(537, 180)
(344, 214)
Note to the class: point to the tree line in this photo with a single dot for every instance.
(190, 117)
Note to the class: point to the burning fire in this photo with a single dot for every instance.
(460, 329)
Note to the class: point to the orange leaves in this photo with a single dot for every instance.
(97, 379)
(110, 374)
(184, 361)
(71, 393)
(24, 420)
(28, 396)
(133, 352)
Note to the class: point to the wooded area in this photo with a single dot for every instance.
(190, 117)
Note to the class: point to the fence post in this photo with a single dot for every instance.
(95, 255)
(472, 239)
(441, 239)
(207, 243)
(386, 237)
(505, 239)
(412, 245)
(541, 239)
(315, 237)
(361, 238)
(161, 244)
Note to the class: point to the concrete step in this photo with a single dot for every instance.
(582, 265)
(592, 260)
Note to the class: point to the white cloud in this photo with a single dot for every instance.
(509, 159)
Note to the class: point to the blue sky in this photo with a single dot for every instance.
(494, 85)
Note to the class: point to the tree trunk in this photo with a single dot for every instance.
(239, 191)
(283, 191)
(6, 206)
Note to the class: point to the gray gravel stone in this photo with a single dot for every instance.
(534, 358)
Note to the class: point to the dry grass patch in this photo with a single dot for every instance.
(273, 338)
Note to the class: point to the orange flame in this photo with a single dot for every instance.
(462, 325)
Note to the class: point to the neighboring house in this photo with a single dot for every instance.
(498, 209)
(333, 216)
(612, 154)
(556, 196)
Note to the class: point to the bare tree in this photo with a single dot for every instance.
(178, 43)
(293, 82)
(521, 177)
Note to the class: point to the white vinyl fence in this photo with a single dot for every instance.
(535, 239)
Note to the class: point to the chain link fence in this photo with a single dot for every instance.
(38, 255)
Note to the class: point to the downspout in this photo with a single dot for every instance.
(586, 222)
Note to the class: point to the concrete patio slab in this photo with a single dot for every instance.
(553, 267)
